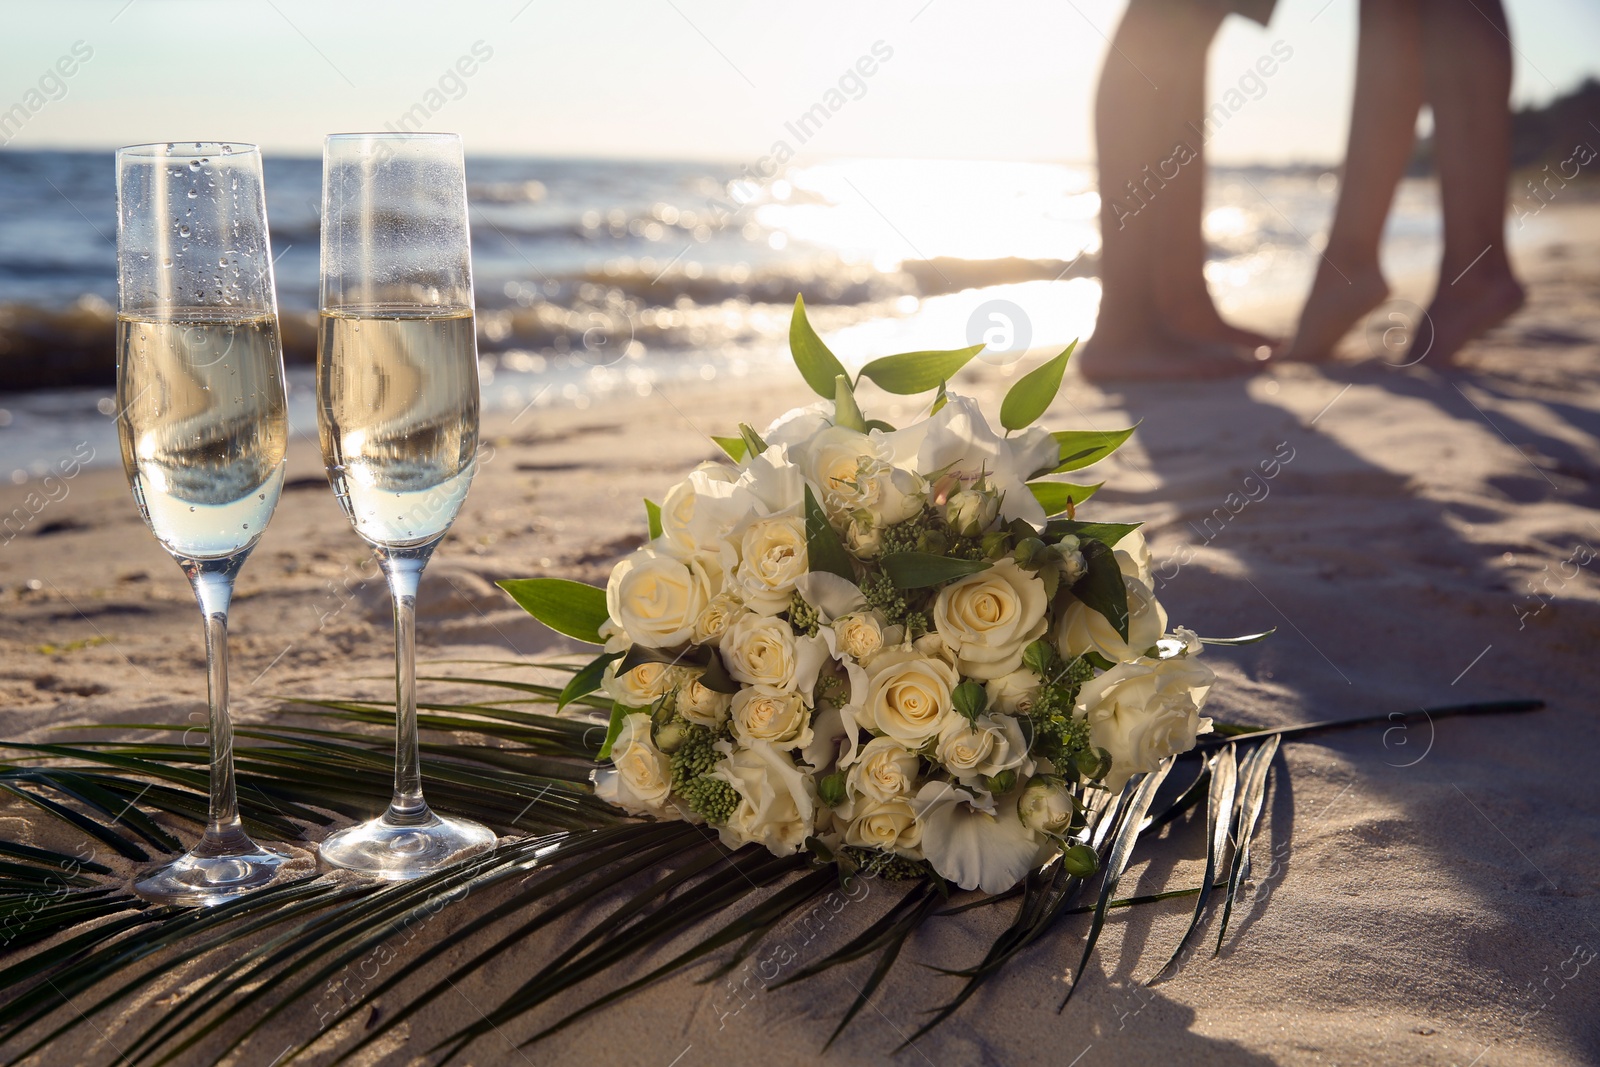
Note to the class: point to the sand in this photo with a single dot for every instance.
(1420, 894)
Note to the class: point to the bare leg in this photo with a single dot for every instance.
(1140, 116)
(1468, 63)
(1383, 125)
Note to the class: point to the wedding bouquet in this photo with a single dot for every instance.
(896, 647)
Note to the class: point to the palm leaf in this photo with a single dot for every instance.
(1251, 795)
(1224, 773)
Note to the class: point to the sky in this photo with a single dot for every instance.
(686, 79)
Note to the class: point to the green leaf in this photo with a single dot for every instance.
(939, 401)
(916, 372)
(570, 608)
(1247, 813)
(733, 446)
(919, 570)
(652, 517)
(879, 424)
(1034, 392)
(1056, 497)
(1101, 588)
(846, 412)
(586, 680)
(1246, 639)
(619, 712)
(1107, 533)
(1081, 448)
(818, 366)
(824, 550)
(753, 443)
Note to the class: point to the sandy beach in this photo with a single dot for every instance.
(1431, 538)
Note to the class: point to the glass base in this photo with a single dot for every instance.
(399, 848)
(204, 876)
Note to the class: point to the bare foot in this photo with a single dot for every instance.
(1159, 359)
(1472, 305)
(1198, 321)
(1337, 302)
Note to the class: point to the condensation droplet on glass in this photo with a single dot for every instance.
(183, 229)
(194, 164)
(193, 193)
(191, 507)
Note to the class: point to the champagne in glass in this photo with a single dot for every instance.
(203, 428)
(397, 392)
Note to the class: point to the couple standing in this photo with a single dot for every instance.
(1157, 319)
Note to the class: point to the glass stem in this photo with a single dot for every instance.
(403, 569)
(212, 581)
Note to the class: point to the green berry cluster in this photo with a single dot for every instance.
(887, 865)
(692, 761)
(710, 798)
(802, 616)
(884, 597)
(1057, 735)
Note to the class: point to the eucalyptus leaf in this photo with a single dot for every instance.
(818, 366)
(567, 607)
(1034, 392)
(910, 373)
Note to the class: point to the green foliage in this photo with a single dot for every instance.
(910, 373)
(1082, 448)
(1056, 497)
(970, 699)
(824, 551)
(570, 608)
(1101, 588)
(587, 679)
(733, 446)
(1034, 392)
(846, 412)
(818, 366)
(802, 616)
(652, 518)
(921, 570)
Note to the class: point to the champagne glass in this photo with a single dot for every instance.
(397, 392)
(203, 427)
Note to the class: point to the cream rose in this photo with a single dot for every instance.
(886, 825)
(886, 769)
(703, 705)
(855, 477)
(908, 695)
(1145, 711)
(1081, 629)
(1046, 806)
(988, 618)
(777, 801)
(772, 555)
(640, 687)
(763, 650)
(698, 512)
(860, 635)
(1013, 693)
(640, 777)
(766, 713)
(656, 598)
(981, 749)
(715, 618)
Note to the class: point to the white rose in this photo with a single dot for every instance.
(863, 537)
(700, 704)
(777, 483)
(1046, 806)
(908, 695)
(698, 512)
(1013, 693)
(1081, 629)
(656, 598)
(860, 634)
(772, 555)
(981, 749)
(988, 618)
(886, 825)
(640, 777)
(640, 687)
(766, 713)
(715, 618)
(1144, 711)
(777, 801)
(855, 477)
(763, 650)
(885, 769)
